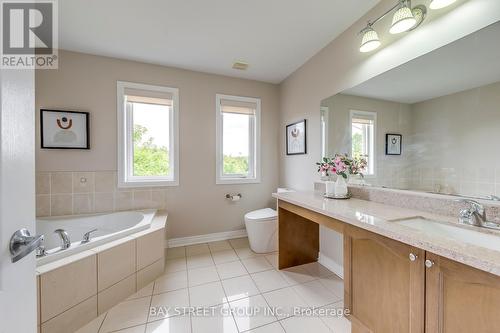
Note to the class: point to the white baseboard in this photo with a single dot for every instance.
(331, 265)
(218, 236)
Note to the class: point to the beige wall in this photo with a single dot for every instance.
(340, 66)
(197, 206)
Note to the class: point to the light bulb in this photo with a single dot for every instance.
(438, 4)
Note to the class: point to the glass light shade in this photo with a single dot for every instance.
(438, 4)
(370, 41)
(402, 20)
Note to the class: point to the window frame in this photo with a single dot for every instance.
(352, 114)
(324, 123)
(125, 141)
(255, 133)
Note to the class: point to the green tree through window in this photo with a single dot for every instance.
(149, 159)
(357, 141)
(235, 165)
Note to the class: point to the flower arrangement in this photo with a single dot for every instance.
(343, 165)
(324, 166)
(358, 165)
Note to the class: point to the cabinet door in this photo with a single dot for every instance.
(384, 288)
(460, 299)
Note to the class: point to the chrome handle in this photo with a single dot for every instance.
(429, 263)
(413, 257)
(86, 236)
(22, 244)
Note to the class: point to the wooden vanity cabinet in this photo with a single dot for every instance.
(384, 288)
(460, 299)
(391, 287)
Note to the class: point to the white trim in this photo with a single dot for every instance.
(324, 118)
(366, 113)
(255, 158)
(124, 180)
(207, 238)
(332, 265)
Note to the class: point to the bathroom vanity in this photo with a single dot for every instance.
(398, 276)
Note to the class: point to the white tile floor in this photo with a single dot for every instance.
(228, 281)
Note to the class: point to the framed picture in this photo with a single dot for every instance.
(296, 138)
(64, 129)
(393, 144)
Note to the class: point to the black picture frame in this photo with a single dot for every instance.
(87, 129)
(387, 138)
(305, 138)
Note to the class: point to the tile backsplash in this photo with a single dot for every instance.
(72, 193)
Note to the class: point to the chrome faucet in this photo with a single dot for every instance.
(475, 215)
(40, 251)
(86, 236)
(65, 242)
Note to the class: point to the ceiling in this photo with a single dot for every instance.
(274, 36)
(470, 62)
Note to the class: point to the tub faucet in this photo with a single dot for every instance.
(86, 236)
(65, 242)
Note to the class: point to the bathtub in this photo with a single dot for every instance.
(111, 226)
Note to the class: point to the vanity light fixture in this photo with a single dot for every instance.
(370, 40)
(438, 4)
(405, 19)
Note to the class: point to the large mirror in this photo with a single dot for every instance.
(432, 124)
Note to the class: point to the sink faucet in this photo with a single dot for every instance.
(475, 215)
(65, 242)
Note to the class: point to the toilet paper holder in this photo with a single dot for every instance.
(234, 197)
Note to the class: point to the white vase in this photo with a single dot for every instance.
(330, 188)
(340, 186)
(324, 176)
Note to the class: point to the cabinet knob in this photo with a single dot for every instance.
(413, 257)
(429, 263)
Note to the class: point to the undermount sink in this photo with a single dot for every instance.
(434, 228)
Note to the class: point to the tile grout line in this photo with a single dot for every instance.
(262, 294)
(102, 322)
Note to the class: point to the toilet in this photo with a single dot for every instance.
(262, 229)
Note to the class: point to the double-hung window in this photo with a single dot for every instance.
(363, 127)
(147, 135)
(238, 140)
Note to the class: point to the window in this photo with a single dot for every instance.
(147, 135)
(363, 127)
(238, 140)
(324, 124)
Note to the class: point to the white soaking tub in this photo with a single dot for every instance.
(110, 227)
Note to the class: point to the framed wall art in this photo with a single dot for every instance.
(296, 138)
(64, 129)
(393, 144)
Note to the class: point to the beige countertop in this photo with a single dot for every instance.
(379, 218)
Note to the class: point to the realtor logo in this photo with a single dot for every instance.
(29, 34)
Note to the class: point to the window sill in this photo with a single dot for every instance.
(139, 184)
(229, 181)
